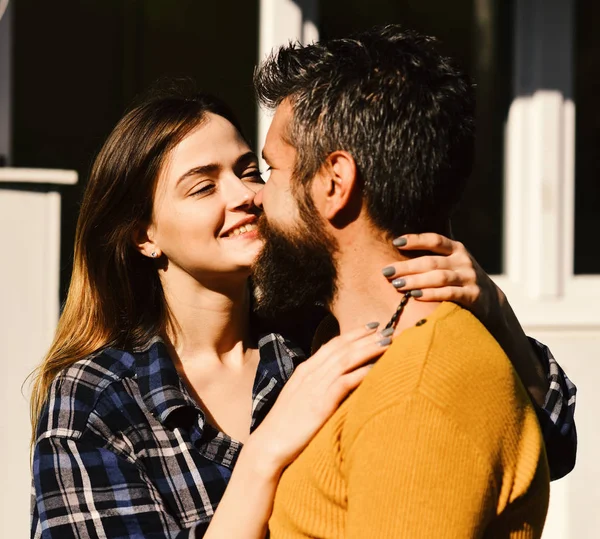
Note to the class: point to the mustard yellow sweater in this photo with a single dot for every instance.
(439, 441)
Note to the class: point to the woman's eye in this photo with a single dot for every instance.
(253, 175)
(203, 189)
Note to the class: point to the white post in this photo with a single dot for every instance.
(540, 147)
(282, 21)
(29, 288)
(554, 305)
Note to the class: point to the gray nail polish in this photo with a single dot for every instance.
(385, 342)
(387, 332)
(399, 283)
(399, 242)
(372, 325)
(416, 293)
(389, 271)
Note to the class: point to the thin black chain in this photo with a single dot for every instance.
(394, 320)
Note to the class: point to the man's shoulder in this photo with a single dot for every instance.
(452, 345)
(460, 348)
(75, 392)
(450, 359)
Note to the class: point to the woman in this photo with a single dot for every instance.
(160, 380)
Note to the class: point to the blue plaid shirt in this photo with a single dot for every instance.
(123, 450)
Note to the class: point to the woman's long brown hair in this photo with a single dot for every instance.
(115, 297)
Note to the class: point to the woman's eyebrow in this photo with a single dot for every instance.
(212, 168)
(245, 159)
(198, 171)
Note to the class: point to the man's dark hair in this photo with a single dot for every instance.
(400, 108)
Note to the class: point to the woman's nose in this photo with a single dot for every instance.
(242, 196)
(247, 199)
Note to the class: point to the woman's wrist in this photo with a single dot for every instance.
(519, 350)
(247, 503)
(260, 459)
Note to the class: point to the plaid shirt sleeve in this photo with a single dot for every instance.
(84, 490)
(557, 416)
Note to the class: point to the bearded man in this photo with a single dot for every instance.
(372, 138)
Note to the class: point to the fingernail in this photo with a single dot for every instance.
(389, 271)
(385, 342)
(372, 325)
(399, 283)
(399, 242)
(387, 332)
(416, 293)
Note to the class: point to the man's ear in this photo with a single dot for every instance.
(339, 185)
(143, 240)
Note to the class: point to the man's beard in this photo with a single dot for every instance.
(295, 269)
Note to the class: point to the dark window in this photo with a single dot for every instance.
(587, 145)
(478, 35)
(78, 66)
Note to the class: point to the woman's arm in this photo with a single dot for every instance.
(557, 416)
(82, 488)
(246, 505)
(308, 399)
(452, 274)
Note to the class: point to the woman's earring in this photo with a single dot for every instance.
(153, 255)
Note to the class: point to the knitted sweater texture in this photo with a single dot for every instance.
(439, 441)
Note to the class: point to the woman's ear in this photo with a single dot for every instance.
(142, 239)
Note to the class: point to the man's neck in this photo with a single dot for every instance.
(364, 295)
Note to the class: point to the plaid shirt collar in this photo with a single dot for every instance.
(164, 391)
(161, 387)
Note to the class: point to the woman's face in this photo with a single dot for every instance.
(204, 218)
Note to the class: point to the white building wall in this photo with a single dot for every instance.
(29, 307)
(554, 305)
(575, 499)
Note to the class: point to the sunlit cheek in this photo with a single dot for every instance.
(197, 224)
(269, 195)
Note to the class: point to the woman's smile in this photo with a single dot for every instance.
(244, 229)
(245, 232)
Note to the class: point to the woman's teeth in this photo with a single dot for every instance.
(242, 229)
